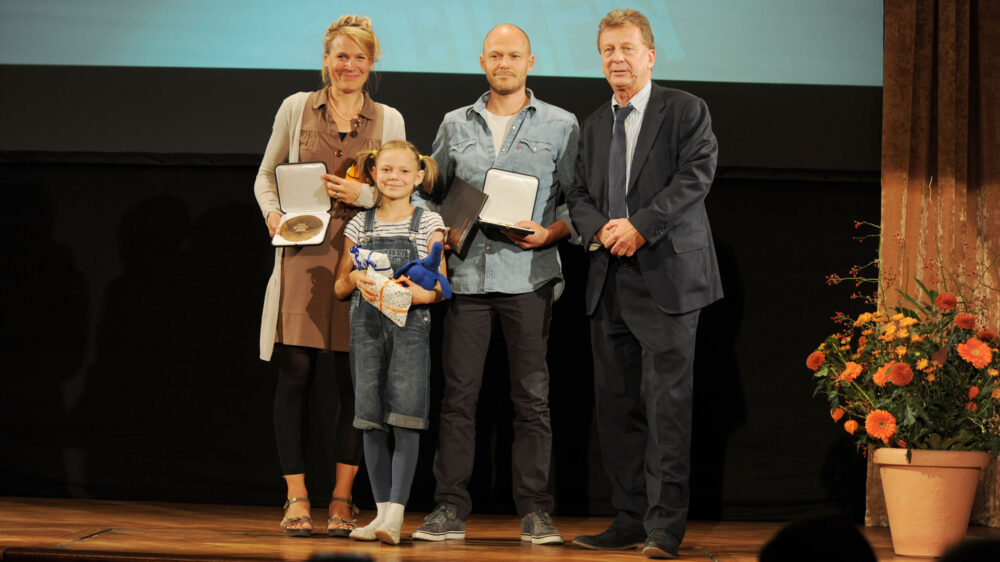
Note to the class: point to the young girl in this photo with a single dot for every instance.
(391, 365)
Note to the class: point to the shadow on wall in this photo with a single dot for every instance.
(719, 403)
(44, 309)
(159, 397)
(129, 414)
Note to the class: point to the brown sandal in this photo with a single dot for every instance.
(287, 522)
(342, 532)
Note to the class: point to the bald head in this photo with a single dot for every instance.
(506, 59)
(507, 32)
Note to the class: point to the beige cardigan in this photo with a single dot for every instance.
(283, 146)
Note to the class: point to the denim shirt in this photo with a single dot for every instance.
(542, 142)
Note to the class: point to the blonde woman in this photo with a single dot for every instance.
(302, 317)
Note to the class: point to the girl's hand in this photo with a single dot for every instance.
(420, 294)
(273, 222)
(364, 284)
(344, 190)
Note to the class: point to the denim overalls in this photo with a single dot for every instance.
(390, 365)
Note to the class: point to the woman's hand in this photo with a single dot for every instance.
(344, 190)
(364, 284)
(420, 294)
(273, 223)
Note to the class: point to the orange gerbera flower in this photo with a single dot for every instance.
(988, 335)
(865, 317)
(882, 374)
(901, 350)
(850, 426)
(946, 302)
(996, 393)
(973, 392)
(815, 360)
(975, 352)
(837, 413)
(880, 424)
(931, 377)
(851, 371)
(901, 374)
(965, 321)
(922, 363)
(908, 321)
(993, 372)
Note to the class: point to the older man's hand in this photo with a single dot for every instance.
(621, 238)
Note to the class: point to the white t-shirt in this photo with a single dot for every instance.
(499, 125)
(430, 223)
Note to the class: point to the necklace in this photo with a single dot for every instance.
(333, 105)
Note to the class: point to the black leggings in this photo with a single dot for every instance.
(297, 379)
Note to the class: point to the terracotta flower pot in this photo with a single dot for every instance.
(929, 498)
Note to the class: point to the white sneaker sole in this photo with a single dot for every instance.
(387, 536)
(550, 539)
(363, 534)
(437, 537)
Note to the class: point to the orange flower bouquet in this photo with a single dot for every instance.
(925, 375)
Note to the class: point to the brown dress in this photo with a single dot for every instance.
(309, 313)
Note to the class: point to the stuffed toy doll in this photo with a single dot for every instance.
(426, 272)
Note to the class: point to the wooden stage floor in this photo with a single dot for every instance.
(78, 529)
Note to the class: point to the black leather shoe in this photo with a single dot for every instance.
(661, 544)
(612, 539)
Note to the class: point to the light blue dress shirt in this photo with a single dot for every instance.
(633, 123)
(542, 142)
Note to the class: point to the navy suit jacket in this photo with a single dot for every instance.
(672, 171)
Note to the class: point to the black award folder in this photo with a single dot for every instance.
(460, 211)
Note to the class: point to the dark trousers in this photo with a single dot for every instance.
(643, 381)
(525, 321)
(297, 380)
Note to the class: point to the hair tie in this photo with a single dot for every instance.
(420, 157)
(375, 153)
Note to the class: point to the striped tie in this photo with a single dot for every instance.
(617, 166)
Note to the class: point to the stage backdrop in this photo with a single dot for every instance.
(139, 260)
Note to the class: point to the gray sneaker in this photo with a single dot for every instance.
(537, 527)
(440, 525)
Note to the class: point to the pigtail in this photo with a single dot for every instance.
(431, 172)
(366, 165)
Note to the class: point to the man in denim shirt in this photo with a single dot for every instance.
(514, 277)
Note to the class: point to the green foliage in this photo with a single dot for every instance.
(937, 380)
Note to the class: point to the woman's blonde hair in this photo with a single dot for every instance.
(369, 158)
(358, 28)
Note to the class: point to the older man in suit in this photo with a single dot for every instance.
(645, 165)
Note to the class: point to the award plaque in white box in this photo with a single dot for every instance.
(304, 202)
(511, 199)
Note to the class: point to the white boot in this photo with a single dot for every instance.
(367, 533)
(392, 524)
